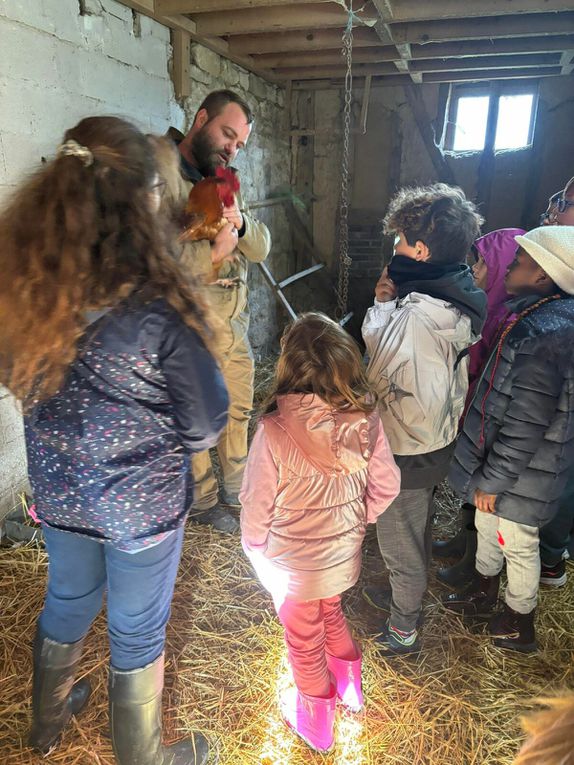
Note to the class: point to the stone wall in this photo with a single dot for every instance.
(61, 60)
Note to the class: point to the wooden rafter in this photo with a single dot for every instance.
(326, 58)
(254, 20)
(491, 74)
(517, 61)
(491, 27)
(204, 6)
(545, 44)
(303, 40)
(395, 11)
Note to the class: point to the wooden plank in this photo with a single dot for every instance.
(486, 62)
(415, 10)
(141, 6)
(492, 74)
(490, 27)
(545, 44)
(308, 40)
(423, 121)
(325, 58)
(365, 104)
(181, 42)
(387, 81)
(322, 72)
(203, 6)
(486, 168)
(253, 20)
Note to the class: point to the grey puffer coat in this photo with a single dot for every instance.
(518, 439)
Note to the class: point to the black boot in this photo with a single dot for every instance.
(513, 630)
(455, 547)
(479, 598)
(55, 698)
(462, 573)
(135, 721)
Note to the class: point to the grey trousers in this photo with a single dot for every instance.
(405, 540)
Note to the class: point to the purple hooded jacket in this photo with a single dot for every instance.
(498, 249)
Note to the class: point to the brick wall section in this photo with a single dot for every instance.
(365, 249)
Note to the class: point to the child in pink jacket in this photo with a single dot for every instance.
(319, 469)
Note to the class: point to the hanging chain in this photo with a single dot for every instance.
(344, 259)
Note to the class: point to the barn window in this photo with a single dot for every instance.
(499, 116)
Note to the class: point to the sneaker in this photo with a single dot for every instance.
(221, 520)
(394, 642)
(554, 576)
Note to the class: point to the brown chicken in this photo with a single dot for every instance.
(204, 211)
(206, 202)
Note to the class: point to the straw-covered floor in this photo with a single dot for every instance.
(458, 703)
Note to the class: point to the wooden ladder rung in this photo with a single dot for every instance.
(301, 275)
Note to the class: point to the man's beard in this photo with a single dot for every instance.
(207, 156)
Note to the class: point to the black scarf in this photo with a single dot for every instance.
(452, 283)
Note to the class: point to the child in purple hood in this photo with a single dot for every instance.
(493, 254)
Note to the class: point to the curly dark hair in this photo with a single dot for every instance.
(440, 216)
(77, 237)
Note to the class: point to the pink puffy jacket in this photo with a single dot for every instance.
(314, 478)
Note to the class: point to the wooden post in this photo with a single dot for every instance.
(424, 124)
(181, 42)
(487, 160)
(530, 214)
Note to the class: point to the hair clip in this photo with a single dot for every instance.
(71, 148)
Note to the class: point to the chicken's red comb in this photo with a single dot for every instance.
(229, 185)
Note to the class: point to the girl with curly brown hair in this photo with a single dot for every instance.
(105, 344)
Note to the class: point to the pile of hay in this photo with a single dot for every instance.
(458, 703)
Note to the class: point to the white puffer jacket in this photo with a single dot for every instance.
(415, 346)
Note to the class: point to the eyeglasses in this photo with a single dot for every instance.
(550, 209)
(562, 205)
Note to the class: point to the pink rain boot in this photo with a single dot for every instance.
(348, 677)
(312, 718)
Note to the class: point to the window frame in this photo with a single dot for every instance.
(494, 90)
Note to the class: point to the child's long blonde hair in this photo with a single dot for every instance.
(551, 734)
(318, 356)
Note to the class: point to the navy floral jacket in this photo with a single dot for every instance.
(109, 455)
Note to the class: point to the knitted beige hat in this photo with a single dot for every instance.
(552, 247)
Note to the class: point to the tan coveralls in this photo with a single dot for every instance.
(232, 345)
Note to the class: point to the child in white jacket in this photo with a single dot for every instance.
(427, 312)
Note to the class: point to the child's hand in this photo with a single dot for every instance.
(385, 291)
(484, 502)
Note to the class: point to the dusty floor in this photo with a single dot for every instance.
(457, 703)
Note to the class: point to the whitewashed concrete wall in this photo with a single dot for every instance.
(61, 60)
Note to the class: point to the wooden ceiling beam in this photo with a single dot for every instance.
(326, 72)
(386, 11)
(490, 27)
(283, 18)
(326, 57)
(204, 6)
(546, 44)
(492, 74)
(486, 62)
(390, 80)
(294, 41)
(415, 10)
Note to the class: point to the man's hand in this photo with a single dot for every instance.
(223, 245)
(385, 291)
(234, 215)
(484, 502)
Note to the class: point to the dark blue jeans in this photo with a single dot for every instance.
(139, 593)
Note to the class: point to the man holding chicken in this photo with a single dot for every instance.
(220, 130)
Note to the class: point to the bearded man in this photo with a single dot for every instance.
(219, 131)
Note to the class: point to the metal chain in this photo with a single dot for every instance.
(344, 259)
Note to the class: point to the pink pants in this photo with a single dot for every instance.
(314, 628)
